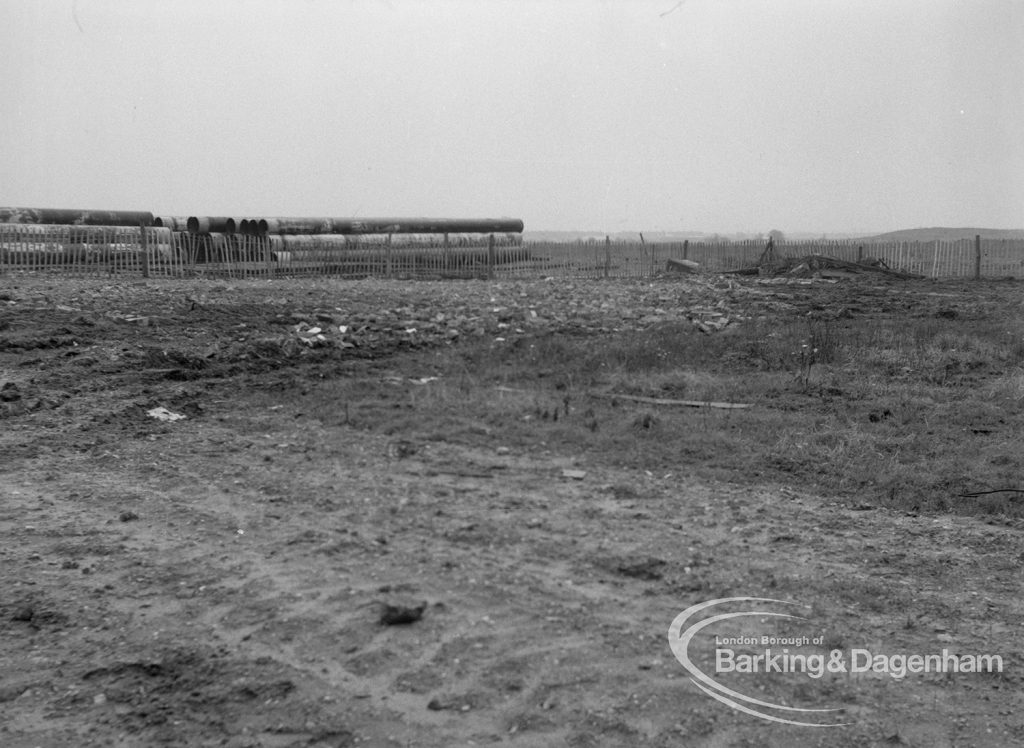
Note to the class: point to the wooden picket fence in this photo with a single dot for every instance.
(163, 253)
(962, 258)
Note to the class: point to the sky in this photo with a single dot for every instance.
(723, 116)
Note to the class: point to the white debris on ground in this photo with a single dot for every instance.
(162, 414)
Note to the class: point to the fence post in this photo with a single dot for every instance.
(490, 257)
(860, 253)
(977, 257)
(686, 249)
(108, 253)
(388, 268)
(607, 255)
(145, 251)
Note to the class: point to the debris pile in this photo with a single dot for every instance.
(816, 266)
(822, 266)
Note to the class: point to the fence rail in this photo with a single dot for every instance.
(162, 252)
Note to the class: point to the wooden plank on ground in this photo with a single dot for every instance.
(665, 401)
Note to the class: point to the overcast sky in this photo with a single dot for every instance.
(608, 115)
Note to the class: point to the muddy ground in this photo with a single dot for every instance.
(232, 578)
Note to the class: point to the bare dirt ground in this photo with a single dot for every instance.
(223, 579)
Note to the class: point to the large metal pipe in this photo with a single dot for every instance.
(297, 225)
(326, 241)
(71, 217)
(398, 241)
(210, 225)
(251, 226)
(391, 225)
(428, 226)
(63, 232)
(55, 238)
(174, 223)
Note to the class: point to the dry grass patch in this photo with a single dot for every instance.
(908, 413)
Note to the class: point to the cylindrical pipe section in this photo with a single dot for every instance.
(71, 217)
(69, 242)
(341, 241)
(210, 225)
(161, 239)
(278, 253)
(162, 235)
(427, 225)
(299, 225)
(307, 241)
(174, 223)
(393, 225)
(62, 232)
(257, 227)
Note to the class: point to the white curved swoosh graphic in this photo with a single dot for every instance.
(679, 642)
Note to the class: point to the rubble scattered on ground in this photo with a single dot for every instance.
(271, 321)
(819, 267)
